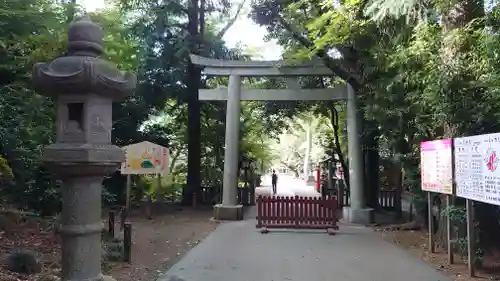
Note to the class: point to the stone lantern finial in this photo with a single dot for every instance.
(85, 38)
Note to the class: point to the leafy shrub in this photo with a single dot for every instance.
(23, 261)
(6, 175)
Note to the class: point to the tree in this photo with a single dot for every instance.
(299, 143)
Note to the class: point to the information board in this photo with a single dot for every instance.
(477, 174)
(436, 166)
(145, 158)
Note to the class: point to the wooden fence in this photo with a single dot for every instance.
(386, 198)
(297, 212)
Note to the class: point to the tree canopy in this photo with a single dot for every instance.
(423, 69)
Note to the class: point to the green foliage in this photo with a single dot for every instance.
(147, 37)
(295, 149)
(423, 69)
(5, 172)
(112, 248)
(380, 10)
(26, 120)
(156, 188)
(458, 219)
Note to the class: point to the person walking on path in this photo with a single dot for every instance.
(274, 181)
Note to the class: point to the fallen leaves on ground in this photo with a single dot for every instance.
(28, 234)
(157, 244)
(416, 242)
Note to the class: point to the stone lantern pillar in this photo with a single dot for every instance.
(84, 88)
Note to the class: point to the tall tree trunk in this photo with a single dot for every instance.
(372, 168)
(194, 127)
(334, 120)
(402, 147)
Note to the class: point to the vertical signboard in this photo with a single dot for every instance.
(436, 166)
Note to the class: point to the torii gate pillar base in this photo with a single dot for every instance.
(358, 216)
(228, 212)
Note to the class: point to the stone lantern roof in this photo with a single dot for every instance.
(81, 71)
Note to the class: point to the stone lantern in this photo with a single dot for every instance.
(83, 87)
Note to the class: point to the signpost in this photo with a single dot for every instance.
(477, 168)
(142, 159)
(145, 158)
(436, 166)
(467, 167)
(477, 178)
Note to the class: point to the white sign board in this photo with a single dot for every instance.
(477, 171)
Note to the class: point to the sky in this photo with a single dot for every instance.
(244, 32)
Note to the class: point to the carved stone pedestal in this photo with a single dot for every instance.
(81, 222)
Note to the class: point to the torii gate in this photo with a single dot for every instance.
(234, 94)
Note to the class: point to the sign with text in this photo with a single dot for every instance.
(145, 158)
(436, 166)
(477, 172)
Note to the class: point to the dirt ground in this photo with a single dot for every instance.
(156, 244)
(159, 243)
(416, 242)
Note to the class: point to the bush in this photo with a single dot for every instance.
(6, 175)
(112, 247)
(23, 261)
(166, 189)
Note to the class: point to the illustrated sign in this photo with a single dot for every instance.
(477, 171)
(145, 158)
(436, 166)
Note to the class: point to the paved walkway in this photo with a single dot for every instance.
(287, 186)
(237, 251)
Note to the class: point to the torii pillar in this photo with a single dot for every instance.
(230, 209)
(357, 212)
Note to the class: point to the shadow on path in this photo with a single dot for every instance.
(237, 251)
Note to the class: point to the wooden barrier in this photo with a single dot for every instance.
(297, 212)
